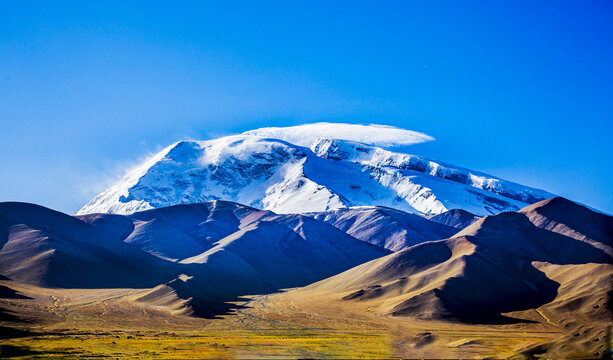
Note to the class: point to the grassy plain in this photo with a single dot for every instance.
(108, 323)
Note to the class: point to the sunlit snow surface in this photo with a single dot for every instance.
(275, 174)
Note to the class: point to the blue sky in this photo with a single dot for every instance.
(519, 89)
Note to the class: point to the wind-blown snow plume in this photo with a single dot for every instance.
(380, 135)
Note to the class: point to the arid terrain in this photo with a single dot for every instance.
(536, 283)
(61, 323)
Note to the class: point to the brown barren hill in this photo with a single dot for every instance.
(486, 270)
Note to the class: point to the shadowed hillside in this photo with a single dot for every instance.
(208, 253)
(391, 228)
(485, 270)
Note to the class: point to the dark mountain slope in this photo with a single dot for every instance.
(456, 218)
(206, 253)
(386, 227)
(48, 248)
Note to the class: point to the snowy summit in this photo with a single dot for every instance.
(313, 167)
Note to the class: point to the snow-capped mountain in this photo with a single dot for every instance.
(334, 170)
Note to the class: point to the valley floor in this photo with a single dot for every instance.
(108, 323)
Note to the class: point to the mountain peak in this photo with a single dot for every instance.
(283, 175)
(565, 217)
(336, 149)
(556, 203)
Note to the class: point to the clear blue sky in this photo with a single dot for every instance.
(519, 89)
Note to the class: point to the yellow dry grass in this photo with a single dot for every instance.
(110, 324)
(229, 344)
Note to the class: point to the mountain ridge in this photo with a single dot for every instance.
(218, 250)
(489, 268)
(328, 174)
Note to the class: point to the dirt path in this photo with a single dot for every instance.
(545, 317)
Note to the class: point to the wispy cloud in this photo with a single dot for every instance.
(381, 135)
